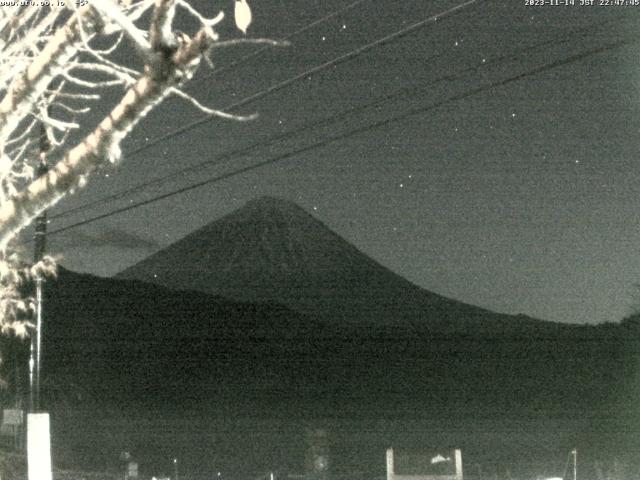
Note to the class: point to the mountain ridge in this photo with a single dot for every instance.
(273, 250)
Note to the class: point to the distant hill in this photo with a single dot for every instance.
(127, 362)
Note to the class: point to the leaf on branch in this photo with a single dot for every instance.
(242, 15)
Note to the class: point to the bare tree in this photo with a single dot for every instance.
(54, 61)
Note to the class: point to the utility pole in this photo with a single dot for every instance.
(38, 429)
(575, 463)
(40, 244)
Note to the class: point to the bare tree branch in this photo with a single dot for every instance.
(29, 85)
(163, 72)
(211, 111)
(49, 71)
(109, 10)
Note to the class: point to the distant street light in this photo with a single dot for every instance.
(175, 469)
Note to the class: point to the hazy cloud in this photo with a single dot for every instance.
(113, 237)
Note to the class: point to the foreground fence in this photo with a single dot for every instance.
(79, 475)
(13, 466)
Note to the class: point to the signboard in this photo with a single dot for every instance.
(12, 416)
(424, 465)
(132, 470)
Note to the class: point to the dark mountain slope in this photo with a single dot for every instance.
(127, 341)
(272, 250)
(118, 351)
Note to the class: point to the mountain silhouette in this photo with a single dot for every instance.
(267, 313)
(271, 250)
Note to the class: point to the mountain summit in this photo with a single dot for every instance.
(271, 250)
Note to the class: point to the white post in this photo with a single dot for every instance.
(458, 455)
(38, 446)
(389, 463)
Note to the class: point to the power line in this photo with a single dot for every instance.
(245, 149)
(253, 54)
(332, 119)
(340, 59)
(256, 52)
(218, 71)
(318, 68)
(354, 132)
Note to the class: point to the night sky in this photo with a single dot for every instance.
(515, 188)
